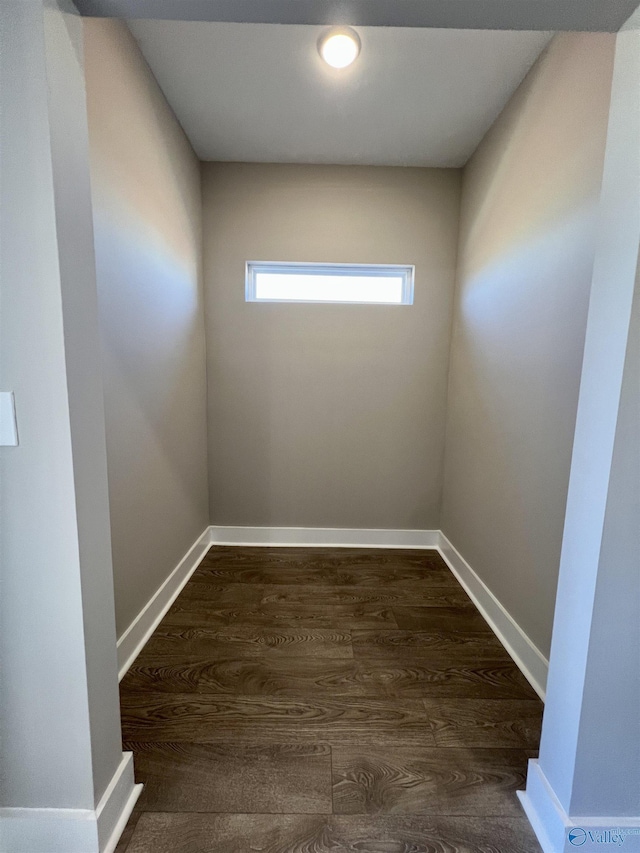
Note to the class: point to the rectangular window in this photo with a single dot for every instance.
(351, 283)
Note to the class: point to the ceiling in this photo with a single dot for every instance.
(261, 93)
(575, 15)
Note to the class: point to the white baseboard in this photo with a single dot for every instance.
(330, 537)
(74, 830)
(543, 810)
(116, 804)
(131, 643)
(529, 659)
(552, 825)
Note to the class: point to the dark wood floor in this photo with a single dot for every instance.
(327, 701)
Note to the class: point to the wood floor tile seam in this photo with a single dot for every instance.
(439, 658)
(389, 629)
(197, 581)
(264, 742)
(158, 659)
(309, 698)
(157, 810)
(256, 743)
(362, 814)
(322, 576)
(383, 657)
(252, 699)
(332, 747)
(534, 702)
(329, 814)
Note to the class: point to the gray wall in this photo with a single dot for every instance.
(590, 745)
(529, 201)
(328, 415)
(60, 739)
(147, 220)
(616, 674)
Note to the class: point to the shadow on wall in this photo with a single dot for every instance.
(147, 226)
(151, 323)
(528, 228)
(511, 207)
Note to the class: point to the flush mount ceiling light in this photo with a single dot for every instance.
(339, 46)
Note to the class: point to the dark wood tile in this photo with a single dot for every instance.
(201, 777)
(420, 679)
(196, 614)
(269, 676)
(163, 673)
(485, 722)
(408, 646)
(237, 833)
(389, 574)
(261, 558)
(386, 596)
(479, 782)
(327, 575)
(275, 662)
(162, 717)
(308, 677)
(228, 595)
(440, 618)
(220, 574)
(250, 642)
(424, 834)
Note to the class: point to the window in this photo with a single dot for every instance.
(354, 283)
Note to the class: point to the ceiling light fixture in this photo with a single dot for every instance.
(339, 47)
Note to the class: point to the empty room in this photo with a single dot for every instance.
(319, 414)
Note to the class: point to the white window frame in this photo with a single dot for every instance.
(407, 271)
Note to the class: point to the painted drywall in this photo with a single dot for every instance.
(615, 672)
(528, 223)
(612, 689)
(60, 741)
(308, 112)
(327, 415)
(590, 745)
(463, 14)
(147, 221)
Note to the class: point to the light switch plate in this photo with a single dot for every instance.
(8, 426)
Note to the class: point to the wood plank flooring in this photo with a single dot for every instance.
(327, 701)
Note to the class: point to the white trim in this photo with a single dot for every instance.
(552, 824)
(328, 537)
(74, 830)
(372, 271)
(131, 643)
(116, 804)
(545, 814)
(529, 659)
